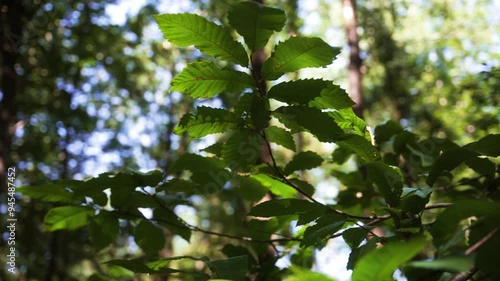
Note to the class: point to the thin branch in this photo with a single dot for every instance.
(437, 206)
(294, 186)
(209, 232)
(465, 276)
(482, 241)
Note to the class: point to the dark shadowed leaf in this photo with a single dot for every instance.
(325, 227)
(103, 230)
(299, 92)
(388, 180)
(302, 118)
(303, 161)
(149, 237)
(233, 268)
(242, 150)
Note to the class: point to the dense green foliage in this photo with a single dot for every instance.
(427, 206)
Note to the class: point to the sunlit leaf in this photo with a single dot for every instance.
(204, 79)
(381, 263)
(189, 29)
(207, 121)
(332, 97)
(296, 53)
(67, 217)
(360, 146)
(256, 23)
(280, 136)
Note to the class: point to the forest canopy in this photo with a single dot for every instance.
(250, 140)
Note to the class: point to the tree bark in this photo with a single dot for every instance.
(12, 16)
(355, 75)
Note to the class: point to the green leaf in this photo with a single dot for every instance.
(360, 146)
(256, 23)
(275, 186)
(244, 104)
(158, 266)
(251, 189)
(386, 131)
(303, 257)
(280, 136)
(103, 230)
(233, 268)
(296, 53)
(208, 172)
(306, 187)
(325, 227)
(341, 154)
(126, 179)
(176, 185)
(189, 29)
(448, 161)
(300, 274)
(260, 112)
(448, 221)
(303, 161)
(299, 92)
(139, 266)
(361, 251)
(204, 79)
(172, 222)
(332, 97)
(242, 150)
(349, 122)
(388, 180)
(57, 191)
(300, 118)
(207, 121)
(482, 166)
(149, 237)
(354, 236)
(286, 207)
(67, 217)
(448, 264)
(381, 263)
(215, 149)
(486, 146)
(414, 199)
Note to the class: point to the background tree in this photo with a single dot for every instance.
(78, 67)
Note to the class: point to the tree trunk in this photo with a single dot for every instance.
(355, 76)
(10, 35)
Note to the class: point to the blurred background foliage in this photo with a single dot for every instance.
(85, 91)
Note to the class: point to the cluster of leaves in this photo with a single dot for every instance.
(397, 174)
